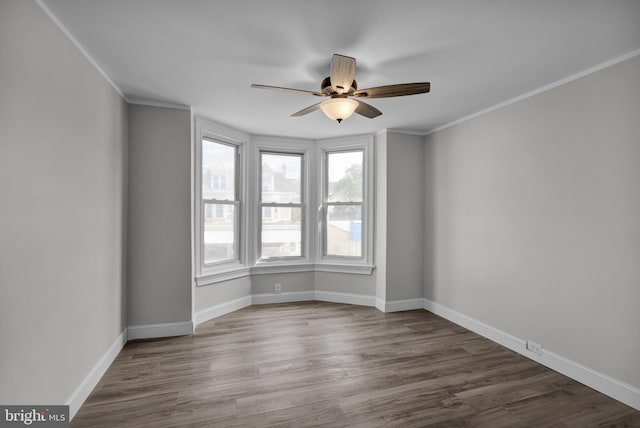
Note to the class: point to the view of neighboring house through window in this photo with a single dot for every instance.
(281, 212)
(343, 203)
(220, 202)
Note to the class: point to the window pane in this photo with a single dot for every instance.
(218, 171)
(219, 233)
(281, 178)
(344, 170)
(344, 230)
(281, 232)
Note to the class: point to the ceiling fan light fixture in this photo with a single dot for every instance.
(339, 108)
(340, 85)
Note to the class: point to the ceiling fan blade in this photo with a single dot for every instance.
(399, 90)
(297, 91)
(342, 72)
(307, 110)
(367, 110)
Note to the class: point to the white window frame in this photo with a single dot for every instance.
(285, 146)
(224, 270)
(221, 203)
(275, 205)
(363, 264)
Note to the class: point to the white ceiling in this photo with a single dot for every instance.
(475, 53)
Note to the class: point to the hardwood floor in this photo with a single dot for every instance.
(324, 364)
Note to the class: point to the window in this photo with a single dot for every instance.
(220, 202)
(343, 203)
(267, 204)
(345, 198)
(280, 207)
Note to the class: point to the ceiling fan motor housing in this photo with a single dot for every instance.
(328, 89)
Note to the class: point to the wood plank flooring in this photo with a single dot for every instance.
(323, 364)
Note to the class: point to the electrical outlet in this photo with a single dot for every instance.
(277, 288)
(534, 347)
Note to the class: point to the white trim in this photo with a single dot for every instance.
(162, 104)
(380, 305)
(339, 268)
(77, 44)
(167, 329)
(403, 305)
(229, 269)
(293, 296)
(274, 267)
(90, 381)
(350, 299)
(505, 339)
(540, 90)
(407, 131)
(192, 224)
(601, 382)
(364, 142)
(213, 278)
(221, 309)
(207, 127)
(286, 146)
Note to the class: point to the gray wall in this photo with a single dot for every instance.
(364, 285)
(533, 219)
(399, 216)
(405, 217)
(212, 295)
(295, 281)
(159, 217)
(62, 178)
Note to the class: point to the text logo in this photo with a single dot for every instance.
(34, 416)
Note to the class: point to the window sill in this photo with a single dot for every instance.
(267, 268)
(227, 275)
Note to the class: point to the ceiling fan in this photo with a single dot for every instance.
(340, 88)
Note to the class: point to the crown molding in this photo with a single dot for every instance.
(540, 90)
(79, 46)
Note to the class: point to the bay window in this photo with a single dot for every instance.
(274, 205)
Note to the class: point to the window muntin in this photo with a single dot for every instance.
(343, 204)
(281, 208)
(220, 202)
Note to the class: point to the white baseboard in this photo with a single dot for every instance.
(304, 296)
(269, 298)
(350, 299)
(607, 385)
(322, 296)
(148, 331)
(292, 296)
(91, 380)
(505, 339)
(221, 309)
(402, 305)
